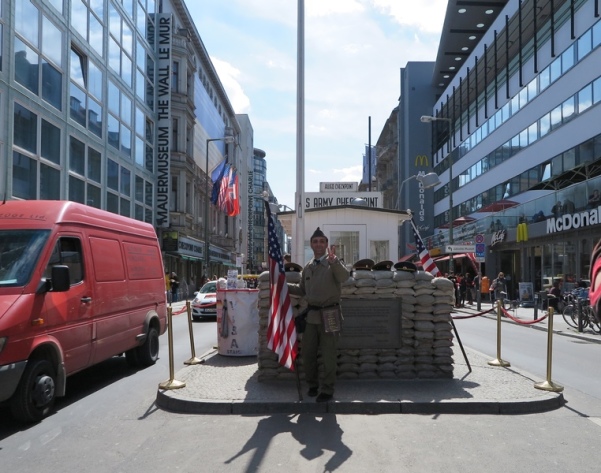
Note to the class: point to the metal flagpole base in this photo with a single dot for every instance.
(194, 361)
(172, 384)
(549, 386)
(499, 362)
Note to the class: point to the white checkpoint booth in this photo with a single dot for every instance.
(237, 322)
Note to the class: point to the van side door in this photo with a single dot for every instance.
(69, 314)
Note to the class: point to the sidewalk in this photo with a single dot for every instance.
(229, 385)
(560, 327)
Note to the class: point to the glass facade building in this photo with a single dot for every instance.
(515, 137)
(116, 104)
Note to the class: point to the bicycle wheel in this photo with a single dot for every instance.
(594, 323)
(570, 315)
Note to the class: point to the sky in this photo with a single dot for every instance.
(354, 50)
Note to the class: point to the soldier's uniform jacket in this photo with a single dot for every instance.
(320, 285)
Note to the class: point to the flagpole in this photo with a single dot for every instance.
(299, 235)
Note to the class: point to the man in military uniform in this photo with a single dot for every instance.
(320, 285)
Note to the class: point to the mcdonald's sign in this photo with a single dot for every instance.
(421, 160)
(522, 232)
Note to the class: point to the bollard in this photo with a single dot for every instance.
(171, 383)
(193, 360)
(499, 361)
(535, 306)
(549, 385)
(580, 319)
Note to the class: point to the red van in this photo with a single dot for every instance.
(78, 285)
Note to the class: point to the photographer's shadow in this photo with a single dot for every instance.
(317, 433)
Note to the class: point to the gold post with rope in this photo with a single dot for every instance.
(549, 385)
(499, 361)
(171, 383)
(193, 360)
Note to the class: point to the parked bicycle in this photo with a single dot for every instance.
(570, 312)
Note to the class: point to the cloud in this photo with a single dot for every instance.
(354, 50)
(229, 77)
(425, 15)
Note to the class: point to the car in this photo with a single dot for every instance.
(205, 301)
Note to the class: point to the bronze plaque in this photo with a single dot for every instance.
(371, 323)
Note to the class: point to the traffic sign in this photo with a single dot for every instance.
(459, 248)
(479, 238)
(480, 250)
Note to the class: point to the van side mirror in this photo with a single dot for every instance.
(60, 278)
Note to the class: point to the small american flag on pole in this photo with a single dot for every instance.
(281, 331)
(424, 255)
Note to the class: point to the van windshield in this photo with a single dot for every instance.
(19, 252)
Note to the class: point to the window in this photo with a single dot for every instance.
(86, 92)
(25, 129)
(50, 142)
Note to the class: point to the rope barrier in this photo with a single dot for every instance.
(181, 311)
(523, 322)
(471, 316)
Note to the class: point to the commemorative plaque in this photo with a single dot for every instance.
(371, 323)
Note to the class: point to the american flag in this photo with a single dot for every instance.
(223, 187)
(424, 255)
(281, 332)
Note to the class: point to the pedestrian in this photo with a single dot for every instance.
(320, 285)
(462, 290)
(453, 279)
(554, 294)
(485, 287)
(167, 285)
(469, 287)
(174, 286)
(499, 287)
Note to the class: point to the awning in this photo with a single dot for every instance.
(459, 221)
(446, 257)
(406, 258)
(498, 206)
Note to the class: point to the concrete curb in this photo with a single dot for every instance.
(206, 406)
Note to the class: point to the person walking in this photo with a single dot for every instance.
(167, 286)
(499, 286)
(174, 286)
(320, 285)
(462, 290)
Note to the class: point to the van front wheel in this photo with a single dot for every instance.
(35, 395)
(148, 352)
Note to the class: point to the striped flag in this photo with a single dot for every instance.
(217, 183)
(281, 332)
(424, 255)
(223, 186)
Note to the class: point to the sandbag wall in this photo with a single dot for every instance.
(427, 337)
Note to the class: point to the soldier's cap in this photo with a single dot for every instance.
(405, 266)
(364, 264)
(382, 266)
(293, 268)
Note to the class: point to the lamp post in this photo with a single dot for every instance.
(430, 119)
(427, 181)
(228, 138)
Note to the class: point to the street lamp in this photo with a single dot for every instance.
(228, 138)
(427, 180)
(430, 119)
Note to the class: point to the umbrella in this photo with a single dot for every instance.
(499, 205)
(458, 221)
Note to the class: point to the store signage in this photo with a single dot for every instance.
(498, 237)
(338, 186)
(163, 84)
(460, 248)
(574, 221)
(315, 200)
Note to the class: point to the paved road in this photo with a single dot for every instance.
(115, 427)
